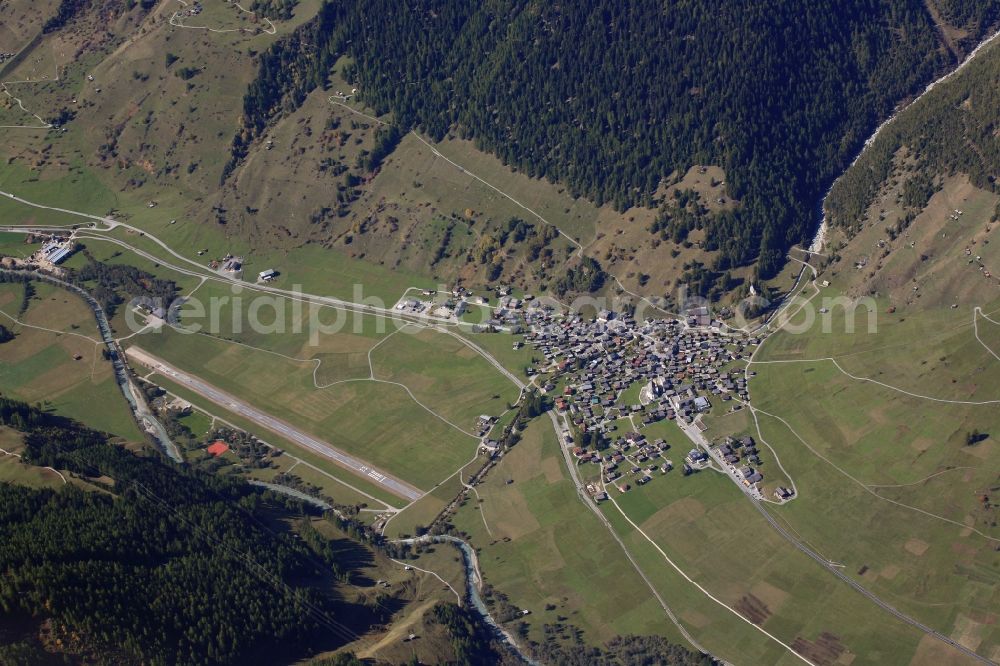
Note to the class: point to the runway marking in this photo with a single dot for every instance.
(238, 406)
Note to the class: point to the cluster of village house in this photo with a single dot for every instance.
(643, 459)
(634, 456)
(506, 315)
(683, 368)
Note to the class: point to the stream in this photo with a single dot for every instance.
(473, 578)
(819, 240)
(137, 402)
(473, 582)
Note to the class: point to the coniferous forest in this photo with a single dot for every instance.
(166, 566)
(611, 98)
(953, 130)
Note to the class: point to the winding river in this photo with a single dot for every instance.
(133, 394)
(473, 585)
(470, 562)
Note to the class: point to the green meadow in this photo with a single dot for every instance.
(709, 530)
(880, 448)
(539, 545)
(56, 359)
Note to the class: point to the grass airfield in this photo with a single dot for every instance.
(402, 397)
(377, 422)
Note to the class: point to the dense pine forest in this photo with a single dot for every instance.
(66, 11)
(612, 98)
(111, 284)
(279, 10)
(166, 567)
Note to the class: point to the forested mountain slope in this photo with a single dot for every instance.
(951, 131)
(612, 98)
(617, 103)
(914, 218)
(166, 567)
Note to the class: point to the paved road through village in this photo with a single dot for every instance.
(242, 408)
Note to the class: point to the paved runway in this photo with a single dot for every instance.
(291, 433)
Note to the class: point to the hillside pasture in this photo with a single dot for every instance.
(12, 470)
(12, 115)
(218, 17)
(20, 20)
(935, 261)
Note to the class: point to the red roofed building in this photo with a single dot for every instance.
(217, 448)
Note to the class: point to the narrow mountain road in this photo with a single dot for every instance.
(42, 123)
(589, 502)
(889, 608)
